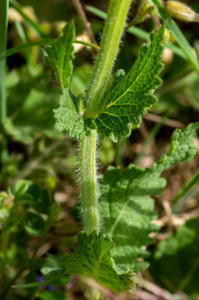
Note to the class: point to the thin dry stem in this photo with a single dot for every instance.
(83, 17)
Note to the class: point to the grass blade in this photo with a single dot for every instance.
(3, 104)
(30, 63)
(177, 33)
(187, 187)
(40, 43)
(33, 24)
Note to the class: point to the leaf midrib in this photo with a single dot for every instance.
(113, 103)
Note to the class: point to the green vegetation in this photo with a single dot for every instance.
(131, 231)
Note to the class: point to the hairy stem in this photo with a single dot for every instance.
(89, 182)
(111, 37)
(112, 33)
(3, 104)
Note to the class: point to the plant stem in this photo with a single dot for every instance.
(82, 15)
(3, 104)
(112, 33)
(89, 182)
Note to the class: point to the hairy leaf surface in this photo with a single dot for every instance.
(126, 203)
(58, 56)
(92, 258)
(67, 117)
(125, 102)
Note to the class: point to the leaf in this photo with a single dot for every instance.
(92, 257)
(58, 56)
(125, 102)
(67, 118)
(34, 223)
(126, 204)
(175, 263)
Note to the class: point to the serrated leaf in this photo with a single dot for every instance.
(58, 56)
(92, 258)
(125, 102)
(67, 118)
(126, 203)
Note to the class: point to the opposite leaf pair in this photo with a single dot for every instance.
(125, 101)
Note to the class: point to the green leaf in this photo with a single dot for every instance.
(125, 102)
(60, 53)
(181, 251)
(92, 257)
(34, 223)
(67, 118)
(126, 204)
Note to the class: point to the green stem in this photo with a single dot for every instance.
(42, 42)
(89, 182)
(112, 33)
(111, 37)
(194, 180)
(3, 104)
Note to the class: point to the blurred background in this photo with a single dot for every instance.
(45, 161)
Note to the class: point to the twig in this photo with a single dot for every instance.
(155, 20)
(168, 122)
(83, 17)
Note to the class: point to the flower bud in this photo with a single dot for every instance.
(167, 36)
(181, 11)
(143, 12)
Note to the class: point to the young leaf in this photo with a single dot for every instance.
(124, 103)
(126, 203)
(67, 118)
(59, 55)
